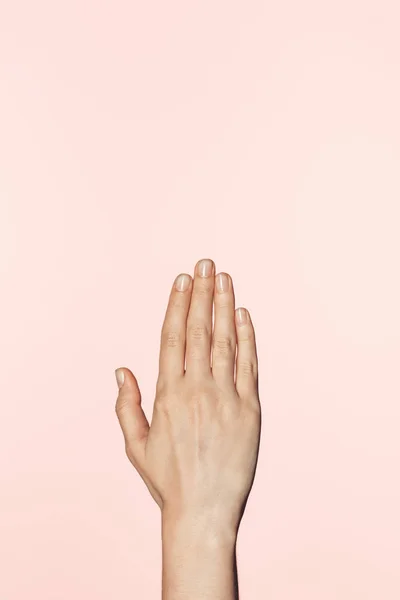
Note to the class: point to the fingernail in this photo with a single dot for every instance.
(182, 282)
(241, 316)
(222, 281)
(120, 377)
(205, 267)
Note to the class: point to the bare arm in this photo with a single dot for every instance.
(199, 560)
(198, 457)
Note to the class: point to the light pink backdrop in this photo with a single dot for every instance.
(136, 138)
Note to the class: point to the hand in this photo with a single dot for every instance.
(199, 456)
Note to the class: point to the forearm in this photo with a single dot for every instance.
(199, 560)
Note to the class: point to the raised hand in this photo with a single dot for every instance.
(198, 457)
(201, 449)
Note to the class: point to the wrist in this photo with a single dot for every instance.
(198, 529)
(199, 557)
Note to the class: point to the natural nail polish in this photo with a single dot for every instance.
(222, 281)
(182, 282)
(241, 316)
(120, 376)
(205, 267)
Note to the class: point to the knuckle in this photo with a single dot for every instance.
(171, 338)
(128, 450)
(121, 405)
(161, 384)
(247, 368)
(163, 405)
(198, 332)
(166, 393)
(131, 454)
(256, 414)
(162, 391)
(223, 346)
(253, 412)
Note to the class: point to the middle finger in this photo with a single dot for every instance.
(199, 323)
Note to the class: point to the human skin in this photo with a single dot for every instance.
(198, 457)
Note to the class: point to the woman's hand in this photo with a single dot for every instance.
(198, 457)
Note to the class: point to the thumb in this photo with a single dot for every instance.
(132, 419)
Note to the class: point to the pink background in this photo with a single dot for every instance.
(137, 138)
